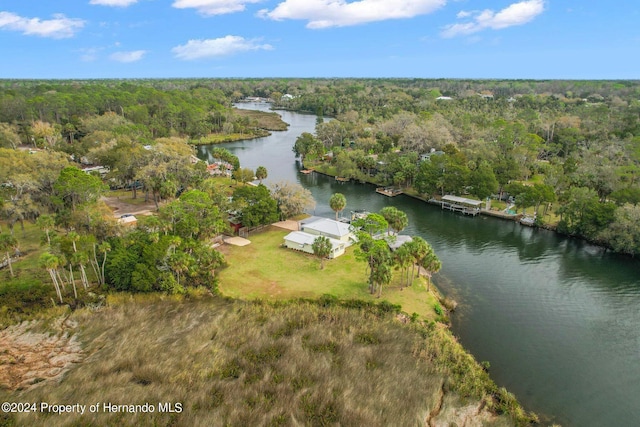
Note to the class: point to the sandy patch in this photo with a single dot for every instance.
(288, 225)
(28, 358)
(236, 241)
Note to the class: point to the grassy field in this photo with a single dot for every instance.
(264, 120)
(266, 270)
(249, 364)
(126, 196)
(29, 241)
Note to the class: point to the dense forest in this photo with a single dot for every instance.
(566, 151)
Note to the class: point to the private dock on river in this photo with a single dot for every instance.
(461, 204)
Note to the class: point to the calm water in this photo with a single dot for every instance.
(558, 319)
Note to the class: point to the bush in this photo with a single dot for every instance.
(438, 309)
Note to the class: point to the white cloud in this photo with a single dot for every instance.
(59, 27)
(131, 56)
(339, 13)
(515, 14)
(116, 3)
(208, 48)
(214, 7)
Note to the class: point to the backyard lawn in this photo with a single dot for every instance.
(266, 270)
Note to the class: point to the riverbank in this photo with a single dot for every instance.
(410, 192)
(532, 303)
(255, 363)
(232, 137)
(256, 124)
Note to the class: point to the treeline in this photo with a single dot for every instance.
(571, 155)
(568, 149)
(154, 109)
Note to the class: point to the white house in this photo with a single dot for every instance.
(329, 228)
(301, 241)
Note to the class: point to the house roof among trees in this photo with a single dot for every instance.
(328, 226)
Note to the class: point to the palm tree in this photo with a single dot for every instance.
(81, 259)
(419, 249)
(321, 248)
(78, 258)
(396, 219)
(261, 173)
(402, 258)
(50, 262)
(431, 263)
(338, 202)
(8, 242)
(103, 248)
(179, 263)
(46, 224)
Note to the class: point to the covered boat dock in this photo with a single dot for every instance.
(461, 204)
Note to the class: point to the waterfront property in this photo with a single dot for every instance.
(329, 228)
(338, 233)
(461, 204)
(301, 241)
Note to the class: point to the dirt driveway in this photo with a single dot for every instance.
(120, 206)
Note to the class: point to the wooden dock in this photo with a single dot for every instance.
(306, 171)
(389, 192)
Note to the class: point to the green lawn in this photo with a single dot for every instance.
(29, 242)
(266, 270)
(126, 196)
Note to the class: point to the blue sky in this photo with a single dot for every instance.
(540, 39)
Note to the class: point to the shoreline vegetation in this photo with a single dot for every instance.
(258, 123)
(456, 387)
(277, 361)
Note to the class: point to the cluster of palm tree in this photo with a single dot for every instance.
(71, 253)
(374, 248)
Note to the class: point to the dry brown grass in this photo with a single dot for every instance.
(246, 364)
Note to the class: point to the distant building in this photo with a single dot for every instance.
(444, 98)
(220, 168)
(101, 170)
(128, 220)
(427, 156)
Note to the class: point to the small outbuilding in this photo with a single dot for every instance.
(395, 242)
(128, 220)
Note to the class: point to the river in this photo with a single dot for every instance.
(558, 319)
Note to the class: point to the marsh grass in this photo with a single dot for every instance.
(260, 364)
(268, 120)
